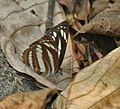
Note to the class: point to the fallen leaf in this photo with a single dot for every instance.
(101, 5)
(30, 100)
(70, 64)
(68, 3)
(115, 4)
(78, 8)
(98, 6)
(94, 86)
(105, 23)
(81, 9)
(21, 26)
(101, 32)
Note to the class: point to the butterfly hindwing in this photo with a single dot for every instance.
(46, 54)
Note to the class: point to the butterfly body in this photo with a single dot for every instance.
(45, 55)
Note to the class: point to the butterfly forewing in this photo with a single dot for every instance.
(46, 54)
(60, 34)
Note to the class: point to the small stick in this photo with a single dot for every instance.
(49, 21)
(88, 53)
(96, 51)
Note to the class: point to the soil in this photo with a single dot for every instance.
(12, 81)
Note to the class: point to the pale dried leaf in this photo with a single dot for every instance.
(70, 63)
(20, 27)
(101, 5)
(68, 3)
(93, 85)
(105, 23)
(30, 100)
(112, 101)
(115, 5)
(98, 6)
(82, 9)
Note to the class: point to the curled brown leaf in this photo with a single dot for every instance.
(21, 27)
(31, 100)
(94, 86)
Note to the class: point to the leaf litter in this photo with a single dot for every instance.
(95, 85)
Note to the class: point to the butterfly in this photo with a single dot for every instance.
(46, 54)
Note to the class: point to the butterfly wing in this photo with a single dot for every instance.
(46, 54)
(60, 34)
(42, 56)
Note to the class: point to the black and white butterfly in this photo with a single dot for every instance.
(46, 54)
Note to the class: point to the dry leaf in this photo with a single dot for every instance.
(68, 3)
(94, 86)
(98, 6)
(105, 23)
(70, 63)
(81, 10)
(31, 100)
(101, 5)
(21, 26)
(115, 4)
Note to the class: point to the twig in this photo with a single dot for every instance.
(88, 53)
(49, 22)
(96, 50)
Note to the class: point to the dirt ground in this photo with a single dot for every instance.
(12, 81)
